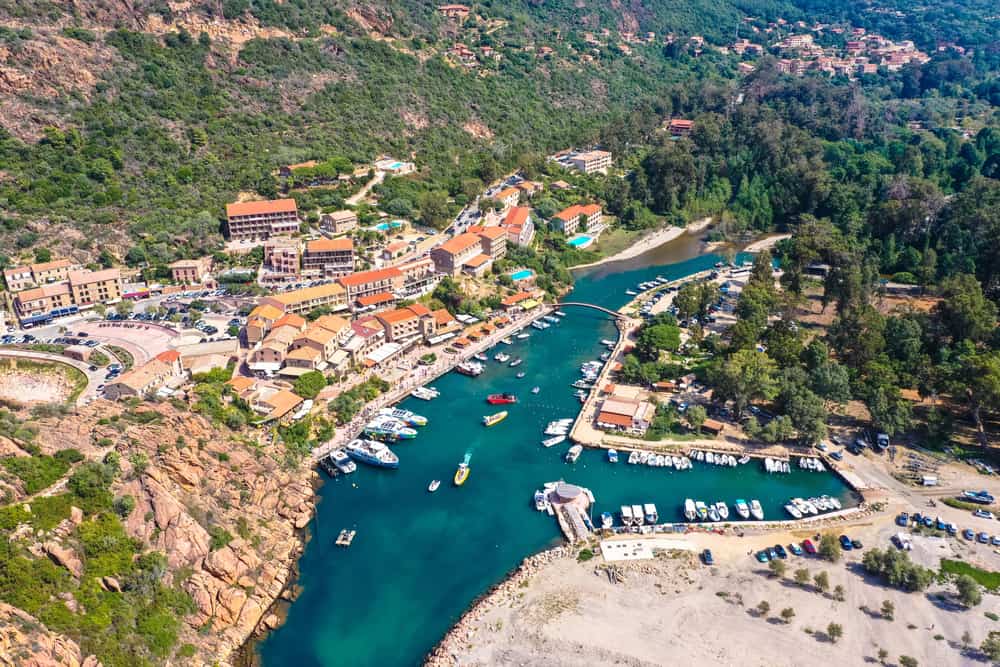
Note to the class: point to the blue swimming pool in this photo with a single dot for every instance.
(523, 274)
(581, 241)
(386, 226)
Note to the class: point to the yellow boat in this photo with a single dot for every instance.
(490, 420)
(461, 474)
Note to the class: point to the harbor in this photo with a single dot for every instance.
(421, 558)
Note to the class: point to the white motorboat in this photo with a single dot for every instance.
(612, 456)
(535, 390)
(637, 514)
(723, 510)
(540, 501)
(756, 511)
(434, 485)
(793, 510)
(553, 441)
(713, 513)
(701, 509)
(744, 459)
(649, 511)
(690, 513)
(626, 511)
(574, 453)
(742, 508)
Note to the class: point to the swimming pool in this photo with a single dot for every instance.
(523, 274)
(386, 226)
(581, 241)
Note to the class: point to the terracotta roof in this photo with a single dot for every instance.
(367, 327)
(55, 289)
(493, 233)
(576, 210)
(420, 309)
(376, 299)
(169, 356)
(612, 418)
(308, 293)
(713, 425)
(460, 243)
(329, 245)
(304, 353)
(517, 216)
(138, 378)
(241, 383)
(261, 207)
(443, 317)
(266, 311)
(397, 246)
(281, 402)
(515, 298)
(185, 264)
(291, 320)
(681, 124)
(508, 192)
(478, 261)
(54, 264)
(395, 316)
(317, 334)
(87, 277)
(364, 277)
(620, 406)
(561, 185)
(332, 323)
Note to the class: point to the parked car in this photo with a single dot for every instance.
(952, 529)
(809, 547)
(983, 538)
(780, 550)
(856, 544)
(928, 522)
(795, 549)
(940, 524)
(845, 543)
(984, 514)
(995, 541)
(771, 553)
(706, 557)
(761, 556)
(903, 519)
(969, 534)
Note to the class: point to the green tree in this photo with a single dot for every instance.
(834, 631)
(829, 547)
(787, 614)
(979, 380)
(777, 568)
(969, 591)
(657, 338)
(838, 593)
(308, 385)
(907, 661)
(802, 576)
(763, 607)
(746, 376)
(991, 645)
(882, 655)
(696, 416)
(964, 312)
(888, 610)
(822, 581)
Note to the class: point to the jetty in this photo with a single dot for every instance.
(571, 505)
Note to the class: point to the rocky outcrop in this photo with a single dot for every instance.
(169, 527)
(65, 557)
(25, 642)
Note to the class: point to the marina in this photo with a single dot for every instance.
(339, 620)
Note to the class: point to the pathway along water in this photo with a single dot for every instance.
(419, 558)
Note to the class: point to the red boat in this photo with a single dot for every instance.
(501, 399)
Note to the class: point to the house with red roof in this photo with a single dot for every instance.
(260, 220)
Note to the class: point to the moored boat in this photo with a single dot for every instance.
(574, 453)
(523, 335)
(372, 452)
(535, 390)
(690, 513)
(501, 357)
(470, 368)
(404, 416)
(701, 509)
(612, 456)
(626, 511)
(713, 513)
(490, 420)
(637, 514)
(479, 356)
(424, 393)
(553, 441)
(742, 508)
(517, 362)
(342, 461)
(649, 512)
(540, 501)
(434, 485)
(606, 520)
(756, 511)
(723, 510)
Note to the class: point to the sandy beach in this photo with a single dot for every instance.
(650, 241)
(766, 243)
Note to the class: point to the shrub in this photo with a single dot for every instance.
(897, 570)
(834, 631)
(968, 590)
(829, 547)
(36, 472)
(220, 537)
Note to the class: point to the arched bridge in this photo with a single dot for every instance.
(613, 313)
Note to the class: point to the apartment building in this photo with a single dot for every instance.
(452, 254)
(368, 336)
(332, 296)
(39, 302)
(270, 354)
(316, 338)
(190, 271)
(589, 217)
(339, 222)
(162, 369)
(591, 162)
(493, 241)
(260, 220)
(260, 320)
(405, 324)
(456, 12)
(90, 287)
(364, 283)
(509, 197)
(282, 259)
(33, 275)
(519, 226)
(330, 258)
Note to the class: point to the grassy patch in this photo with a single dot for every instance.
(124, 356)
(987, 579)
(960, 504)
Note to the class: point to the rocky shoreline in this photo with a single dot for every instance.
(445, 653)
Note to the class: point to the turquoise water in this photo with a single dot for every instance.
(419, 559)
(579, 241)
(523, 274)
(386, 226)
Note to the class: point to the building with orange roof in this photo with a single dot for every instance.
(679, 127)
(405, 324)
(331, 258)
(340, 326)
(317, 338)
(625, 414)
(444, 321)
(282, 259)
(569, 220)
(242, 385)
(302, 360)
(453, 255)
(519, 226)
(291, 320)
(277, 405)
(395, 250)
(165, 368)
(368, 335)
(338, 222)
(260, 220)
(364, 283)
(190, 271)
(90, 287)
(508, 197)
(332, 296)
(23, 277)
(478, 265)
(375, 302)
(493, 241)
(456, 12)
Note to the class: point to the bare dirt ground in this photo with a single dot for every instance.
(29, 387)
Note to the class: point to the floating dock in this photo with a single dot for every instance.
(346, 537)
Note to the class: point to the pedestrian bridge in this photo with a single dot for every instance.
(613, 313)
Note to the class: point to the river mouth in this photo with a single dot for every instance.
(420, 559)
